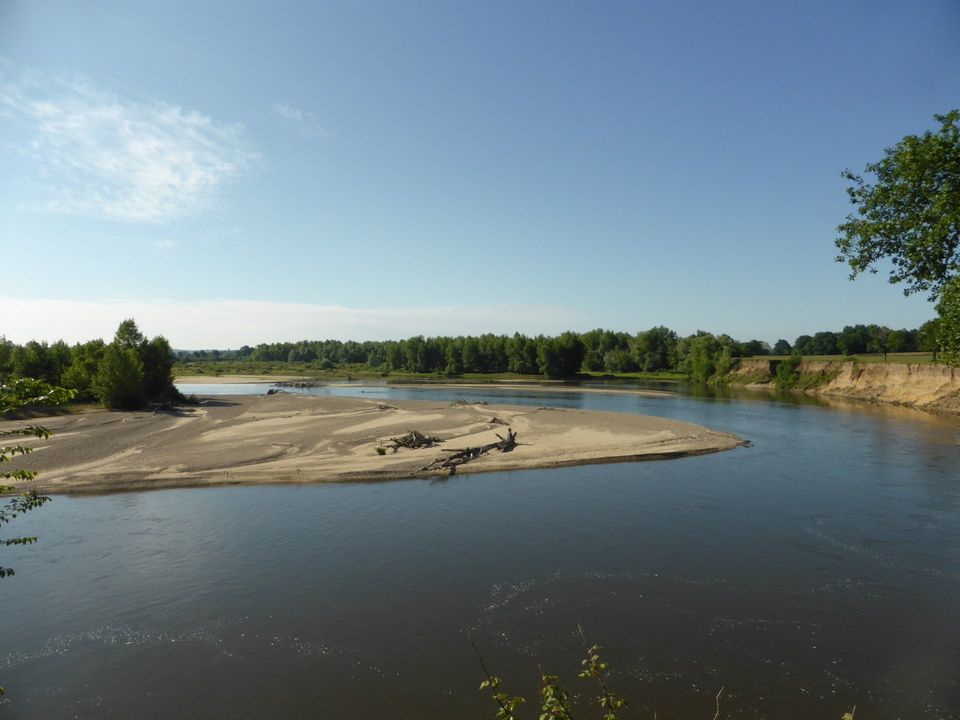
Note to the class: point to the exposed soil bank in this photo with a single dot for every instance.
(286, 438)
(935, 388)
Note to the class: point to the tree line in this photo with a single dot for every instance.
(128, 373)
(132, 370)
(658, 349)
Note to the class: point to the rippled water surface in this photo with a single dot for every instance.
(816, 570)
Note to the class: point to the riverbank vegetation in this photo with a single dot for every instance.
(133, 371)
(128, 373)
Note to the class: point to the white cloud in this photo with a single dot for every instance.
(105, 156)
(164, 245)
(304, 121)
(232, 323)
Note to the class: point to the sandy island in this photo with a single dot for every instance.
(288, 438)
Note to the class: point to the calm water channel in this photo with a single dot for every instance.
(816, 570)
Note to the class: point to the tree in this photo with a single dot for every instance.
(879, 340)
(928, 337)
(948, 330)
(803, 345)
(824, 343)
(911, 213)
(561, 356)
(84, 364)
(134, 370)
(702, 352)
(157, 358)
(854, 339)
(911, 216)
(782, 347)
(128, 335)
(655, 349)
(752, 348)
(119, 381)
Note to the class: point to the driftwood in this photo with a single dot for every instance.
(497, 421)
(299, 383)
(413, 440)
(460, 457)
(466, 403)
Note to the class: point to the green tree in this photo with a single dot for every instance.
(824, 343)
(561, 356)
(879, 340)
(128, 335)
(157, 358)
(854, 339)
(655, 349)
(522, 355)
(471, 355)
(782, 347)
(803, 345)
(454, 355)
(134, 370)
(928, 337)
(911, 213)
(119, 381)
(702, 353)
(753, 348)
(948, 329)
(84, 363)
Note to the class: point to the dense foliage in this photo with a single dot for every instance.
(910, 216)
(658, 349)
(132, 370)
(911, 213)
(948, 329)
(127, 373)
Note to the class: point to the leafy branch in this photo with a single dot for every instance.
(14, 396)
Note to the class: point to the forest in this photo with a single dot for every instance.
(133, 370)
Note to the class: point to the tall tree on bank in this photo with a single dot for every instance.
(948, 329)
(134, 370)
(910, 215)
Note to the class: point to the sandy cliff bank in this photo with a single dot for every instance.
(934, 388)
(296, 438)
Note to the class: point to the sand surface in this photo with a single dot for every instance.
(287, 438)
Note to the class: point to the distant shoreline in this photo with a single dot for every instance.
(526, 385)
(296, 438)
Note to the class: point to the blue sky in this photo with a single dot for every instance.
(251, 172)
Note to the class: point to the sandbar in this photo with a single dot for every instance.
(296, 438)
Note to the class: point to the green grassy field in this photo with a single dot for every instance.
(914, 358)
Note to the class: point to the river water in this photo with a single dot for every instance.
(817, 570)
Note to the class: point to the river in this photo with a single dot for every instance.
(817, 570)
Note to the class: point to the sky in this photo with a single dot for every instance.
(247, 172)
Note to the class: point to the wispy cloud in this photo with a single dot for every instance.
(164, 245)
(232, 323)
(116, 158)
(305, 122)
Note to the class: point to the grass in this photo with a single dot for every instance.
(914, 358)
